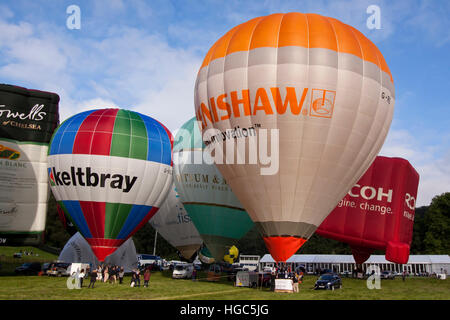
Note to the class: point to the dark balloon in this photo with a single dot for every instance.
(378, 212)
(27, 121)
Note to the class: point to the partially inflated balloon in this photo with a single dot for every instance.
(110, 170)
(214, 209)
(378, 212)
(27, 121)
(175, 225)
(205, 255)
(232, 255)
(323, 95)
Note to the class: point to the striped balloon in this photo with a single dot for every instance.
(323, 94)
(211, 204)
(110, 170)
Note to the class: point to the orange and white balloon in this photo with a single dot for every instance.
(328, 92)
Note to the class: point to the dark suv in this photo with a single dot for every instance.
(329, 281)
(28, 268)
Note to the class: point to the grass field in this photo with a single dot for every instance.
(163, 287)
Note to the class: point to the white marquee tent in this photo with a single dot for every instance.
(416, 264)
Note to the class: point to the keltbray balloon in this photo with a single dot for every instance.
(110, 170)
(27, 121)
(174, 224)
(378, 212)
(214, 209)
(322, 94)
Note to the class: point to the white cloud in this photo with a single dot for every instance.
(134, 69)
(430, 162)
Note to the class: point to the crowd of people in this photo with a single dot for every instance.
(283, 272)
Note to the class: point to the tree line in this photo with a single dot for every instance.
(431, 235)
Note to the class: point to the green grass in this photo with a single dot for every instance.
(9, 263)
(162, 286)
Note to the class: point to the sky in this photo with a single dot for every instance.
(145, 55)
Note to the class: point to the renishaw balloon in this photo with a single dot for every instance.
(378, 212)
(110, 170)
(214, 209)
(27, 121)
(322, 94)
(175, 225)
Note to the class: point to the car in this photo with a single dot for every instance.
(59, 269)
(183, 271)
(346, 274)
(28, 268)
(324, 271)
(387, 275)
(328, 281)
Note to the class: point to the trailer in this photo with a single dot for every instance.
(247, 279)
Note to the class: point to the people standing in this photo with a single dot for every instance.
(113, 273)
(93, 276)
(106, 274)
(146, 277)
(194, 274)
(295, 282)
(138, 278)
(121, 274)
(81, 277)
(133, 278)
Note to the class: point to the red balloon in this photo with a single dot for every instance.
(378, 212)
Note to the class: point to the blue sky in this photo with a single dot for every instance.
(144, 55)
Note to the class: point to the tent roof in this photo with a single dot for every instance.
(348, 258)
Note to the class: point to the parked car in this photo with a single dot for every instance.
(59, 269)
(183, 271)
(346, 274)
(324, 271)
(329, 281)
(387, 275)
(28, 268)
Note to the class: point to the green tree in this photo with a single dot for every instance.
(437, 223)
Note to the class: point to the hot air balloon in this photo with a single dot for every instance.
(110, 170)
(214, 209)
(315, 92)
(175, 225)
(27, 121)
(205, 256)
(77, 249)
(378, 212)
(232, 255)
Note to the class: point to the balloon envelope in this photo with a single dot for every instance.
(315, 92)
(110, 170)
(27, 121)
(77, 249)
(378, 212)
(175, 225)
(214, 209)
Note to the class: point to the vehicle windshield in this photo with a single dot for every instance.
(26, 265)
(179, 268)
(326, 277)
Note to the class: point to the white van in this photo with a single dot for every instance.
(77, 267)
(183, 271)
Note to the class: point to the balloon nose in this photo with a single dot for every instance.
(102, 252)
(282, 248)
